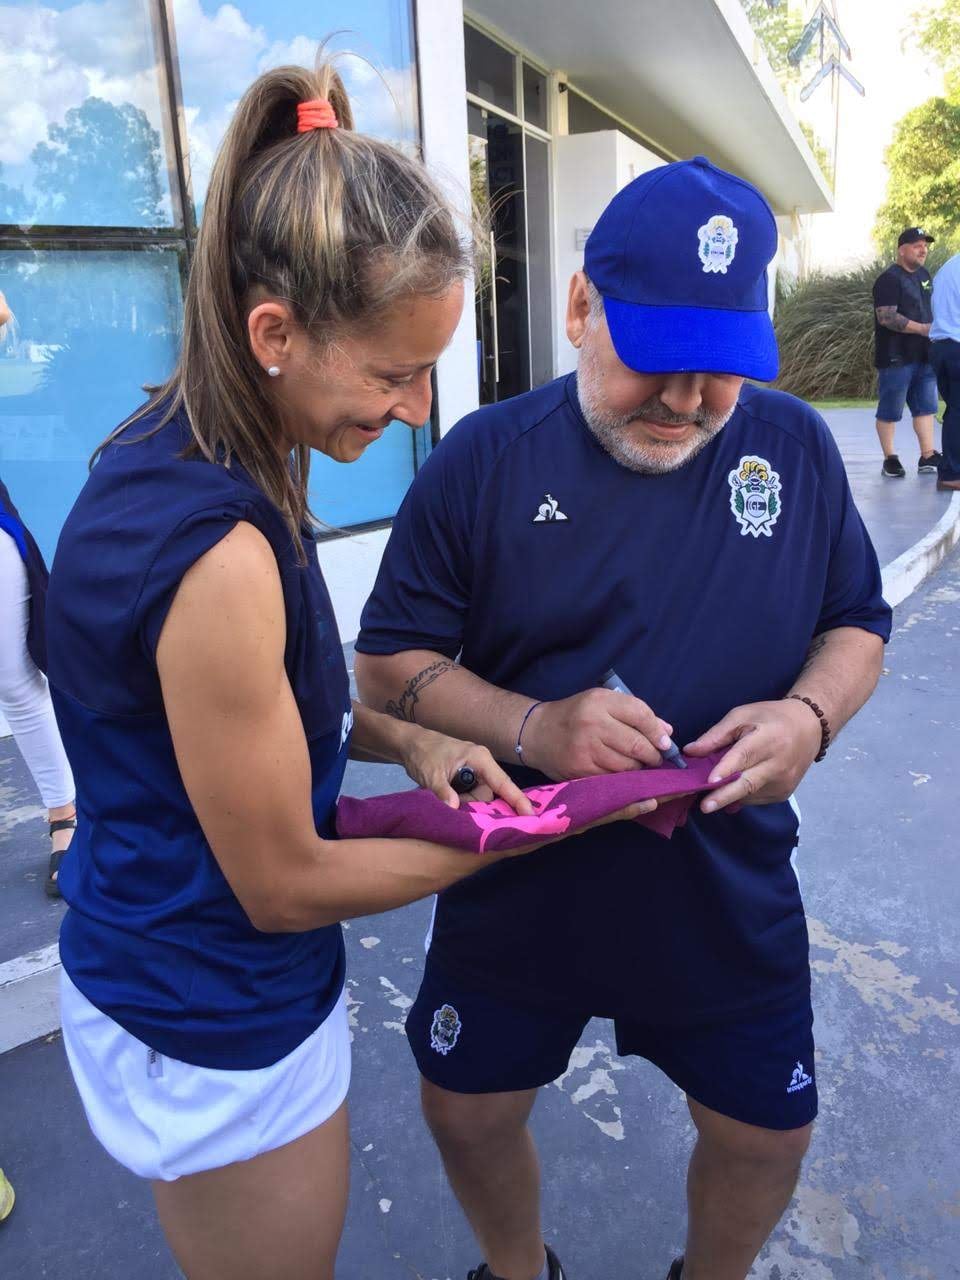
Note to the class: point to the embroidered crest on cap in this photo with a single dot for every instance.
(718, 243)
(445, 1030)
(755, 496)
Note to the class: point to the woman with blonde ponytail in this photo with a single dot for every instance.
(201, 691)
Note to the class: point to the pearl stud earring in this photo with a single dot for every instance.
(274, 371)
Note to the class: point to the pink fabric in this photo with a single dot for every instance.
(479, 827)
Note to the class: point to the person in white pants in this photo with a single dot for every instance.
(25, 699)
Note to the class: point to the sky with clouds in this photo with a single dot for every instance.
(55, 56)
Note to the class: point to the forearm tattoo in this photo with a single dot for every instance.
(891, 318)
(817, 646)
(405, 708)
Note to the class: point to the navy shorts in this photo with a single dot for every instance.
(914, 385)
(758, 1069)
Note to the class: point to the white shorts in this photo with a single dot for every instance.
(163, 1119)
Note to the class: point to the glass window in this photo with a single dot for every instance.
(491, 70)
(497, 182)
(224, 47)
(84, 143)
(91, 328)
(371, 488)
(534, 97)
(81, 142)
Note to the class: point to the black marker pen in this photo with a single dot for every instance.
(672, 753)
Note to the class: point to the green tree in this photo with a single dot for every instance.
(923, 160)
(821, 154)
(777, 31)
(11, 202)
(924, 167)
(937, 32)
(101, 166)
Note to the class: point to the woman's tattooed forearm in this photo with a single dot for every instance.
(406, 705)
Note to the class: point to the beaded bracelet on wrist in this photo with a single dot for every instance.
(825, 734)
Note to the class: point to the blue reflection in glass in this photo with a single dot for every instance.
(224, 47)
(82, 145)
(371, 488)
(91, 328)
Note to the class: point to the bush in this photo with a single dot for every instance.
(825, 330)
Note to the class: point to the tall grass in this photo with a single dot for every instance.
(825, 330)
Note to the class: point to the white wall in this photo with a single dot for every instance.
(589, 169)
(443, 111)
(349, 568)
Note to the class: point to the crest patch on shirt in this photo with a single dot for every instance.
(718, 243)
(755, 496)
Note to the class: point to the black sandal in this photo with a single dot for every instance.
(51, 885)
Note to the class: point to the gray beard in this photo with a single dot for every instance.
(646, 457)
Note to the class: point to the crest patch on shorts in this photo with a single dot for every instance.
(445, 1029)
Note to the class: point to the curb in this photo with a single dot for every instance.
(30, 984)
(29, 997)
(902, 576)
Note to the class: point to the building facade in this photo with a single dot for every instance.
(540, 111)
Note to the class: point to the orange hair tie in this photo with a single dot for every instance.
(316, 114)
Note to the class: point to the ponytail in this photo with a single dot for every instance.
(336, 224)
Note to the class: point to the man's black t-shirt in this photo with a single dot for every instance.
(910, 292)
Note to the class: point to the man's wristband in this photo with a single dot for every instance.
(824, 724)
(523, 724)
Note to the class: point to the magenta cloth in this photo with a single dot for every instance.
(482, 826)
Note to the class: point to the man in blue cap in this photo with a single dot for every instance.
(655, 515)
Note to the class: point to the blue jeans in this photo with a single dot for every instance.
(945, 358)
(911, 384)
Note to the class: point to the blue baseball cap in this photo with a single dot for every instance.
(680, 258)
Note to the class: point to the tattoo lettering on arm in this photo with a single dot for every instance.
(406, 705)
(891, 318)
(817, 645)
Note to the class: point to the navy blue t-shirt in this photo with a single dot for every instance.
(154, 936)
(525, 548)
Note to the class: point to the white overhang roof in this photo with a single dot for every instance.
(690, 74)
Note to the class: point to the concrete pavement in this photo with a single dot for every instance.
(880, 1194)
(897, 512)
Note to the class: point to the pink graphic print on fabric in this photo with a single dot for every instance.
(494, 815)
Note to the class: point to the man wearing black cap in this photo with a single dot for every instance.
(901, 322)
(656, 515)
